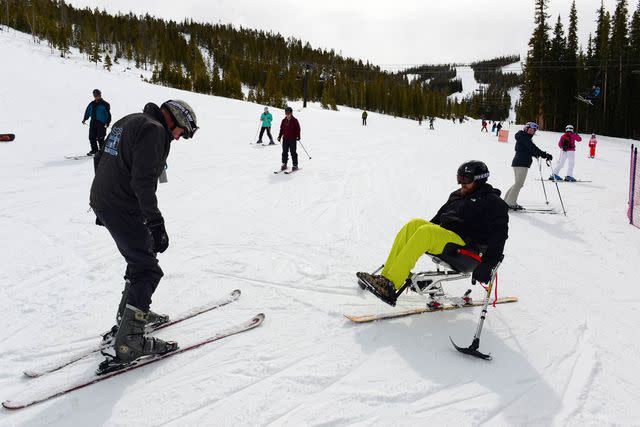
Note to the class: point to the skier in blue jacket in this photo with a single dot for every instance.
(99, 111)
(266, 118)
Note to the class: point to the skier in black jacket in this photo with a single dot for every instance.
(123, 197)
(473, 215)
(526, 150)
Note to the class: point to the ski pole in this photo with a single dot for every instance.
(305, 150)
(553, 176)
(256, 135)
(542, 181)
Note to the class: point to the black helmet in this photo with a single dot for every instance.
(288, 110)
(475, 170)
(96, 92)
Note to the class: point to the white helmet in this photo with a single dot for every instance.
(266, 109)
(569, 128)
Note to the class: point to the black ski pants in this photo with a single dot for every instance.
(97, 131)
(364, 121)
(289, 145)
(134, 241)
(268, 129)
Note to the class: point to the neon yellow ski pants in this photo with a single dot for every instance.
(413, 240)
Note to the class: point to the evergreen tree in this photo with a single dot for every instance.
(534, 88)
(107, 62)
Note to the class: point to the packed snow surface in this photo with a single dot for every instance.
(565, 354)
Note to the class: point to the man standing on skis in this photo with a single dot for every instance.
(123, 197)
(474, 214)
(266, 118)
(99, 111)
(526, 150)
(567, 144)
(290, 135)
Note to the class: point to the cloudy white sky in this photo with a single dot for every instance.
(390, 33)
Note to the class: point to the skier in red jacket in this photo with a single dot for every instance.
(592, 146)
(567, 144)
(290, 134)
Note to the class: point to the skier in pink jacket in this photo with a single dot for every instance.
(567, 144)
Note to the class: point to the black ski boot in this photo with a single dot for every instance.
(131, 343)
(153, 319)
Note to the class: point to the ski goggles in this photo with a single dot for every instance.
(465, 179)
(532, 125)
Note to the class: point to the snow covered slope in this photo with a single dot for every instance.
(566, 354)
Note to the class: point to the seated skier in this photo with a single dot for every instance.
(473, 215)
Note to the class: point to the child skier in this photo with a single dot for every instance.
(567, 144)
(592, 146)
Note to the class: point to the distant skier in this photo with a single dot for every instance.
(290, 135)
(364, 117)
(484, 126)
(498, 128)
(525, 151)
(567, 144)
(123, 197)
(493, 127)
(454, 120)
(473, 215)
(419, 120)
(431, 120)
(99, 111)
(266, 118)
(592, 146)
(461, 119)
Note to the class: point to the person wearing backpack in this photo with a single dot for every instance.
(567, 144)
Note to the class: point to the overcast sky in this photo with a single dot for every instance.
(389, 33)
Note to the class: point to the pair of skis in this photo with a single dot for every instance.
(47, 369)
(286, 171)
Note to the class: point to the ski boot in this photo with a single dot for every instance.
(516, 207)
(380, 286)
(555, 177)
(153, 319)
(283, 167)
(131, 343)
(295, 168)
(569, 178)
(271, 142)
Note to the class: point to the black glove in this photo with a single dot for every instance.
(98, 222)
(482, 273)
(84, 122)
(298, 139)
(279, 138)
(159, 234)
(548, 156)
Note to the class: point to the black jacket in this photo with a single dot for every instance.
(480, 218)
(525, 150)
(134, 156)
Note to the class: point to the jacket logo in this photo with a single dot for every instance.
(111, 146)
